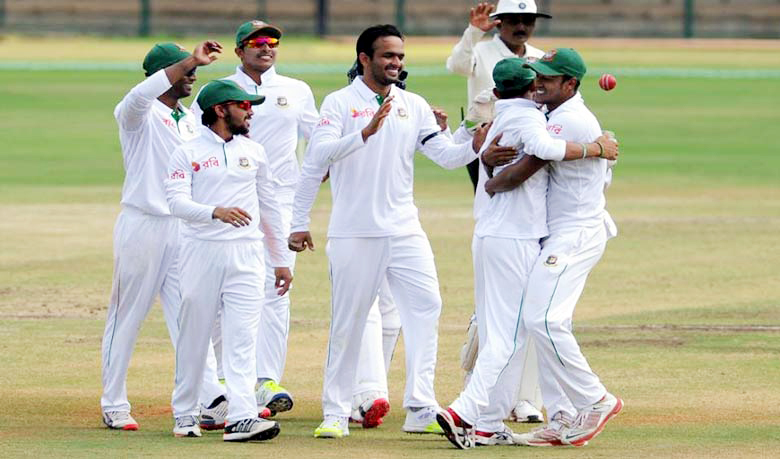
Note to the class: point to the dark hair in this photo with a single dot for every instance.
(209, 116)
(365, 42)
(567, 78)
(515, 93)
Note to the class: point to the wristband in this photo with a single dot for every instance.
(601, 149)
(584, 151)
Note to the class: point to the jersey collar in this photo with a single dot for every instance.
(366, 93)
(246, 81)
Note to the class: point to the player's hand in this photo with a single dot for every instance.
(378, 119)
(610, 147)
(300, 241)
(235, 216)
(325, 177)
(496, 155)
(284, 279)
(441, 118)
(206, 52)
(480, 134)
(479, 17)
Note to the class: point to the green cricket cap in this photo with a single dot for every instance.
(219, 91)
(163, 55)
(250, 28)
(510, 74)
(560, 61)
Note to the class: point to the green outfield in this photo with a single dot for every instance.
(681, 317)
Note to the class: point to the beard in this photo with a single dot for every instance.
(381, 77)
(235, 128)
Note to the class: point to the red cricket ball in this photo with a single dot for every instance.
(607, 82)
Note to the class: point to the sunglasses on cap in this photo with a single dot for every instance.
(242, 104)
(258, 42)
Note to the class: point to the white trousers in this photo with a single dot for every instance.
(556, 283)
(357, 266)
(224, 277)
(145, 265)
(371, 374)
(501, 268)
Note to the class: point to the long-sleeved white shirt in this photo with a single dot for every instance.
(208, 172)
(287, 114)
(148, 133)
(522, 212)
(371, 182)
(575, 196)
(474, 57)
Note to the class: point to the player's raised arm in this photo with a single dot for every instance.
(461, 61)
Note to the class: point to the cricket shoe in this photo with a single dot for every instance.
(120, 420)
(457, 431)
(524, 411)
(422, 421)
(332, 427)
(251, 429)
(549, 434)
(274, 397)
(591, 420)
(213, 417)
(186, 426)
(371, 408)
(502, 437)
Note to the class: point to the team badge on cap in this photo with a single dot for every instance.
(549, 55)
(281, 101)
(243, 162)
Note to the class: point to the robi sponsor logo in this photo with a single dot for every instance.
(555, 128)
(366, 113)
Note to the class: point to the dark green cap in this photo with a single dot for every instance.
(510, 74)
(163, 55)
(250, 28)
(219, 91)
(560, 61)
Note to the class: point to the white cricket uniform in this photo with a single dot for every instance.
(146, 236)
(579, 229)
(287, 114)
(474, 56)
(222, 266)
(506, 243)
(375, 231)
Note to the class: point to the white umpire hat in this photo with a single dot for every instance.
(518, 7)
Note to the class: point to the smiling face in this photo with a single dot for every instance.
(553, 90)
(385, 66)
(257, 57)
(183, 87)
(516, 29)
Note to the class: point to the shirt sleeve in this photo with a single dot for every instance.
(178, 190)
(131, 111)
(538, 141)
(437, 146)
(328, 143)
(461, 61)
(270, 217)
(306, 191)
(309, 117)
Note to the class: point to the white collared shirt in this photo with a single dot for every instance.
(522, 212)
(148, 133)
(575, 197)
(208, 172)
(371, 182)
(287, 114)
(474, 57)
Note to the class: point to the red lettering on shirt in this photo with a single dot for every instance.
(177, 174)
(367, 113)
(323, 122)
(555, 128)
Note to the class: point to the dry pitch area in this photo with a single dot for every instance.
(680, 318)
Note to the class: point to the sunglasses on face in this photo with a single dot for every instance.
(191, 73)
(258, 42)
(242, 104)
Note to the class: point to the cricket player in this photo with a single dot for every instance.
(220, 185)
(579, 227)
(152, 122)
(506, 245)
(366, 136)
(288, 114)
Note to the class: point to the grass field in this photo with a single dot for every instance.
(680, 318)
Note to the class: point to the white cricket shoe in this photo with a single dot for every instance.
(120, 420)
(549, 434)
(214, 416)
(186, 426)
(251, 429)
(332, 427)
(455, 429)
(369, 408)
(590, 421)
(422, 421)
(274, 397)
(504, 436)
(524, 411)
